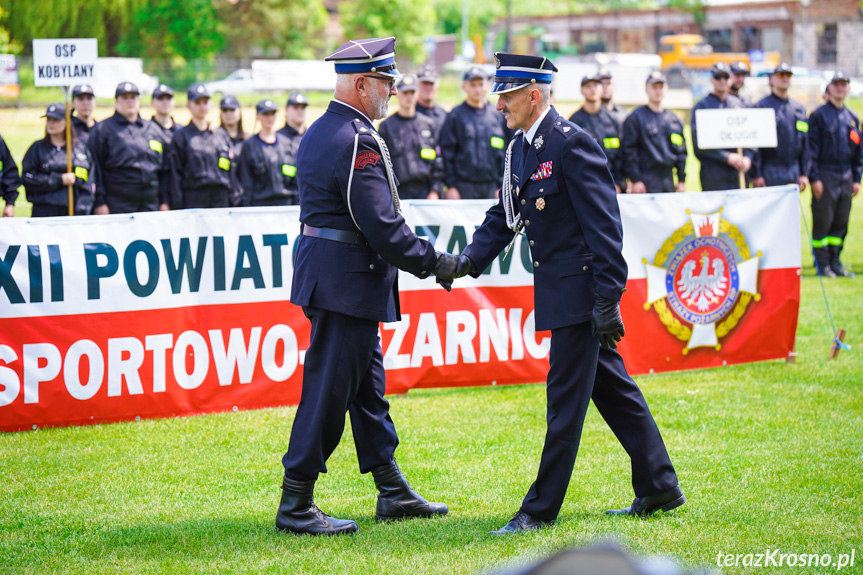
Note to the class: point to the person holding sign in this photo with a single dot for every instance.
(472, 141)
(788, 162)
(267, 166)
(10, 180)
(129, 152)
(83, 104)
(201, 168)
(720, 169)
(45, 169)
(603, 126)
(653, 144)
(837, 166)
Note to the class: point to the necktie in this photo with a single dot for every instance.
(525, 149)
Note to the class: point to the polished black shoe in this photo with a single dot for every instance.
(396, 499)
(643, 506)
(299, 514)
(522, 521)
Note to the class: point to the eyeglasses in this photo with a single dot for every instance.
(783, 74)
(390, 81)
(721, 77)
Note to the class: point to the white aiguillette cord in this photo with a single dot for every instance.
(513, 216)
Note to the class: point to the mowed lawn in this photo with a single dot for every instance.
(768, 454)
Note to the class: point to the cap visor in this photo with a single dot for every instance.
(503, 88)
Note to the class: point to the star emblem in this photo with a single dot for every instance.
(537, 143)
(540, 204)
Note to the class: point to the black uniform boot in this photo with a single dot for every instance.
(836, 264)
(299, 514)
(397, 500)
(822, 262)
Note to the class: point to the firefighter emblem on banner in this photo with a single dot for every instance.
(702, 280)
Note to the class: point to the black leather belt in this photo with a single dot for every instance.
(343, 236)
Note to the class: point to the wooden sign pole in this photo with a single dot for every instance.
(69, 152)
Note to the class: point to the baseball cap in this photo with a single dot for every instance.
(56, 111)
(297, 99)
(82, 90)
(265, 106)
(126, 88)
(229, 103)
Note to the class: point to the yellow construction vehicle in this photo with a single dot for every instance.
(683, 52)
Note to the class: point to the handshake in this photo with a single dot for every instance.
(450, 267)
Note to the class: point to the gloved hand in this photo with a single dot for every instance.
(449, 267)
(606, 322)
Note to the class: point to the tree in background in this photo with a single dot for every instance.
(171, 29)
(481, 15)
(107, 21)
(277, 28)
(410, 21)
(7, 46)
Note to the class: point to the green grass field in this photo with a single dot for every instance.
(768, 454)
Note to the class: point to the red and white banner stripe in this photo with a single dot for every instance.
(112, 318)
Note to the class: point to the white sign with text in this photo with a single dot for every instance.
(725, 128)
(64, 61)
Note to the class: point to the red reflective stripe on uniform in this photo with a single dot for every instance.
(855, 136)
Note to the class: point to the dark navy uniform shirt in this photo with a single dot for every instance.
(130, 156)
(653, 146)
(82, 130)
(10, 180)
(343, 186)
(436, 113)
(167, 133)
(606, 129)
(568, 205)
(714, 163)
(268, 172)
(834, 142)
(414, 149)
(473, 142)
(199, 160)
(792, 136)
(43, 167)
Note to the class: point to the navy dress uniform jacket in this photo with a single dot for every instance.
(571, 219)
(340, 192)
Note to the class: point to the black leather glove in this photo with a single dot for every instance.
(449, 267)
(606, 322)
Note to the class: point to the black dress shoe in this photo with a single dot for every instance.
(522, 521)
(396, 499)
(298, 513)
(643, 506)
